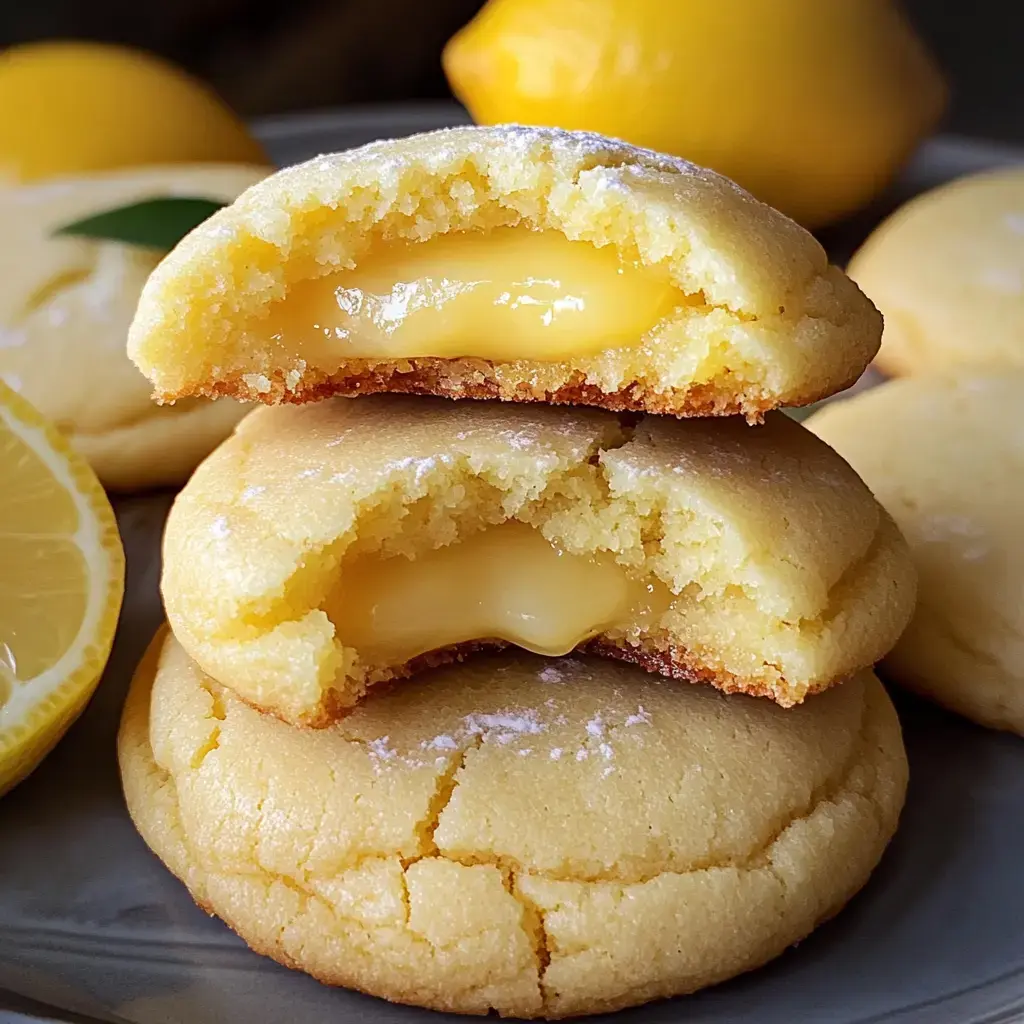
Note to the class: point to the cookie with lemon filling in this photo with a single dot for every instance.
(327, 547)
(539, 838)
(523, 264)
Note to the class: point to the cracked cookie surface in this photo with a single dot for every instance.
(532, 836)
(775, 572)
(946, 458)
(760, 319)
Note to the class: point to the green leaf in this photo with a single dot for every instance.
(154, 223)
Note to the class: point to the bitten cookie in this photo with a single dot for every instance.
(540, 838)
(946, 458)
(65, 306)
(525, 264)
(947, 271)
(331, 546)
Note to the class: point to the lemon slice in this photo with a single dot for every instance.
(61, 583)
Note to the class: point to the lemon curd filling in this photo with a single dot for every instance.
(510, 293)
(506, 583)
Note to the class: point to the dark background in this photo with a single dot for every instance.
(305, 54)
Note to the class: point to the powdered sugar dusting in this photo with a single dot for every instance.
(641, 717)
(385, 757)
(12, 337)
(389, 158)
(422, 465)
(381, 748)
(550, 674)
(259, 382)
(505, 724)
(600, 732)
(442, 742)
(524, 439)
(594, 741)
(219, 528)
(504, 728)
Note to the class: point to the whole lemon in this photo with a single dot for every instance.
(812, 105)
(70, 108)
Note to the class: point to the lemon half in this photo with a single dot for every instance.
(61, 584)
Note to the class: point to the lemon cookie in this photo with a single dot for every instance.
(540, 838)
(946, 458)
(65, 306)
(947, 271)
(329, 546)
(524, 264)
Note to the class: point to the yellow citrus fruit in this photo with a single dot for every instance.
(61, 583)
(810, 104)
(71, 108)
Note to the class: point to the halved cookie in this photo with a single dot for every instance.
(536, 838)
(330, 546)
(524, 264)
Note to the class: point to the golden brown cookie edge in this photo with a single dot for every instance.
(476, 379)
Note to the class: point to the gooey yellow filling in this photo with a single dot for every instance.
(506, 582)
(506, 294)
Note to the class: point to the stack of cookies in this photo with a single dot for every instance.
(423, 726)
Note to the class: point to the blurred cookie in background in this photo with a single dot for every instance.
(65, 306)
(946, 459)
(91, 129)
(947, 272)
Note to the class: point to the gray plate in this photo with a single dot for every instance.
(92, 926)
